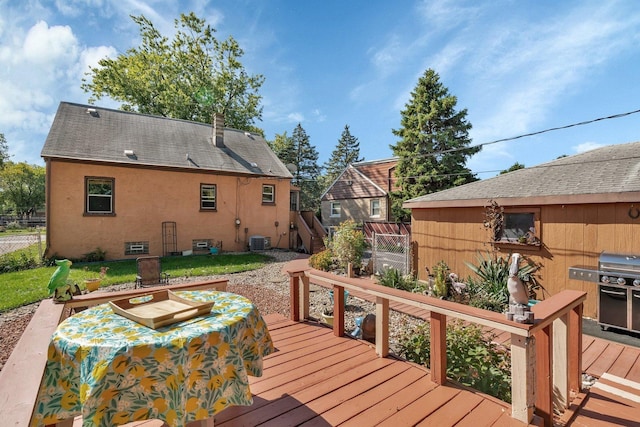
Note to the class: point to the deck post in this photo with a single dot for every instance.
(575, 349)
(438, 345)
(382, 327)
(560, 363)
(304, 298)
(294, 297)
(522, 377)
(338, 310)
(543, 380)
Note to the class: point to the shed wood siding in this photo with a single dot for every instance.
(355, 209)
(571, 235)
(145, 197)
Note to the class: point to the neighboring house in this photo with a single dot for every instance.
(360, 193)
(577, 207)
(133, 184)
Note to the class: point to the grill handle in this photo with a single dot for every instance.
(605, 291)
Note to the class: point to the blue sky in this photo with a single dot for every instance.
(516, 66)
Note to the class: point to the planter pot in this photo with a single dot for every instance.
(328, 319)
(92, 284)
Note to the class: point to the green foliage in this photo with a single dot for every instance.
(322, 260)
(29, 286)
(347, 151)
(513, 167)
(94, 256)
(4, 150)
(489, 290)
(434, 144)
(472, 358)
(440, 281)
(392, 278)
(22, 259)
(22, 187)
(188, 77)
(307, 172)
(348, 244)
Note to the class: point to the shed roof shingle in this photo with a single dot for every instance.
(606, 174)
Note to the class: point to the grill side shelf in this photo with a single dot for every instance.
(584, 274)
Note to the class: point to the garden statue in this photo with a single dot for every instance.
(519, 309)
(58, 286)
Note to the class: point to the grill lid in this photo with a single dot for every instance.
(619, 263)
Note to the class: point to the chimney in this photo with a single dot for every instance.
(218, 130)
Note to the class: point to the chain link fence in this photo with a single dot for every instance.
(391, 251)
(14, 242)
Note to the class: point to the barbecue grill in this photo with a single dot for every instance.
(618, 279)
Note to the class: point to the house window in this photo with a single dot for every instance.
(136, 248)
(293, 201)
(99, 193)
(207, 196)
(335, 210)
(374, 208)
(521, 226)
(268, 193)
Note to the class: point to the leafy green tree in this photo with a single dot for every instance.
(4, 151)
(433, 146)
(513, 167)
(284, 148)
(307, 171)
(347, 151)
(22, 187)
(188, 77)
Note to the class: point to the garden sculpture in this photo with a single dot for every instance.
(58, 282)
(459, 287)
(519, 309)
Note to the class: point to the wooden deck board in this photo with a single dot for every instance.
(624, 362)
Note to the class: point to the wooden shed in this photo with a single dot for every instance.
(560, 214)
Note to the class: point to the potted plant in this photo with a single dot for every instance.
(327, 315)
(93, 284)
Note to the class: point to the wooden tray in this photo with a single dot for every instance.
(159, 309)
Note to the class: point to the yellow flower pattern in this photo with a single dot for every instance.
(112, 370)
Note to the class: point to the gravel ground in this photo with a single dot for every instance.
(267, 288)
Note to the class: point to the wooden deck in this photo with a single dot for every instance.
(317, 379)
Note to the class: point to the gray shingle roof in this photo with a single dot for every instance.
(606, 174)
(155, 141)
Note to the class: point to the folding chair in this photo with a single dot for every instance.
(150, 272)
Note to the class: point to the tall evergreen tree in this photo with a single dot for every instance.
(347, 151)
(4, 151)
(284, 149)
(307, 170)
(434, 144)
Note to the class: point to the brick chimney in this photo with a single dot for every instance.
(218, 130)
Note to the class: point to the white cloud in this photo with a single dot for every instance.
(586, 146)
(48, 46)
(296, 117)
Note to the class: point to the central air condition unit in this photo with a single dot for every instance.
(257, 243)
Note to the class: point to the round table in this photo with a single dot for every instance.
(113, 370)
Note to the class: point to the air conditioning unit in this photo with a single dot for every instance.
(257, 243)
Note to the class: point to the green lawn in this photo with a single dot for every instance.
(28, 286)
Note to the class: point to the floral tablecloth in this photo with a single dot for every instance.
(113, 370)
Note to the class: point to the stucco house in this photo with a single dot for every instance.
(573, 209)
(134, 184)
(361, 192)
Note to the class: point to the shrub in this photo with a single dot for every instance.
(392, 278)
(348, 244)
(322, 260)
(18, 261)
(96, 255)
(472, 359)
(489, 291)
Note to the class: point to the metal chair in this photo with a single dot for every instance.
(150, 272)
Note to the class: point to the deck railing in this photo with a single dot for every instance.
(546, 356)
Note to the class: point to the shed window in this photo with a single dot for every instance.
(99, 195)
(521, 226)
(268, 193)
(335, 210)
(374, 208)
(208, 196)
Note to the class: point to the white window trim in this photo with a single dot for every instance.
(332, 207)
(371, 214)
